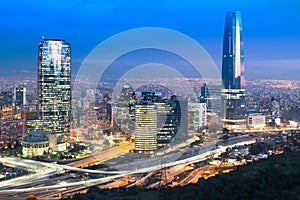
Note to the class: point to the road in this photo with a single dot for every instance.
(201, 154)
(101, 156)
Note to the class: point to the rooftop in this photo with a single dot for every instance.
(36, 137)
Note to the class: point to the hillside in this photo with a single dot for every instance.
(275, 178)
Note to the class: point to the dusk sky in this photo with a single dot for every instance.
(271, 29)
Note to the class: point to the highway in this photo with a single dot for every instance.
(101, 156)
(47, 169)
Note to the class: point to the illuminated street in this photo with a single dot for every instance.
(121, 178)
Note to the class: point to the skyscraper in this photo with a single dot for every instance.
(125, 109)
(19, 99)
(54, 85)
(20, 96)
(233, 71)
(166, 127)
(211, 96)
(145, 128)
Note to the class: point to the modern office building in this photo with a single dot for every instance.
(166, 127)
(233, 72)
(179, 108)
(204, 96)
(54, 85)
(125, 109)
(167, 119)
(20, 96)
(211, 95)
(128, 99)
(145, 127)
(19, 99)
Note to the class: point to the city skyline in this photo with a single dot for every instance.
(272, 32)
(147, 111)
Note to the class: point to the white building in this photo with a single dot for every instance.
(35, 144)
(196, 116)
(256, 121)
(38, 143)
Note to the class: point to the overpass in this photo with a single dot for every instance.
(209, 149)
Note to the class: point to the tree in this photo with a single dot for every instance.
(31, 197)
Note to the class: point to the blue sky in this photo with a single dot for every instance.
(271, 29)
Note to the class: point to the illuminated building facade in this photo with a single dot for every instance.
(6, 112)
(145, 128)
(233, 72)
(54, 85)
(166, 126)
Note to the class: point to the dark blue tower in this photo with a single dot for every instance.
(233, 71)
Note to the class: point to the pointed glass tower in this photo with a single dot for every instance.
(233, 71)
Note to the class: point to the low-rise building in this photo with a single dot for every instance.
(35, 144)
(11, 130)
(39, 142)
(6, 112)
(256, 120)
(241, 150)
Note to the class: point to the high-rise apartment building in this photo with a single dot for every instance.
(54, 85)
(233, 71)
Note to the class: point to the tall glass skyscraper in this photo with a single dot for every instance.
(54, 85)
(233, 71)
